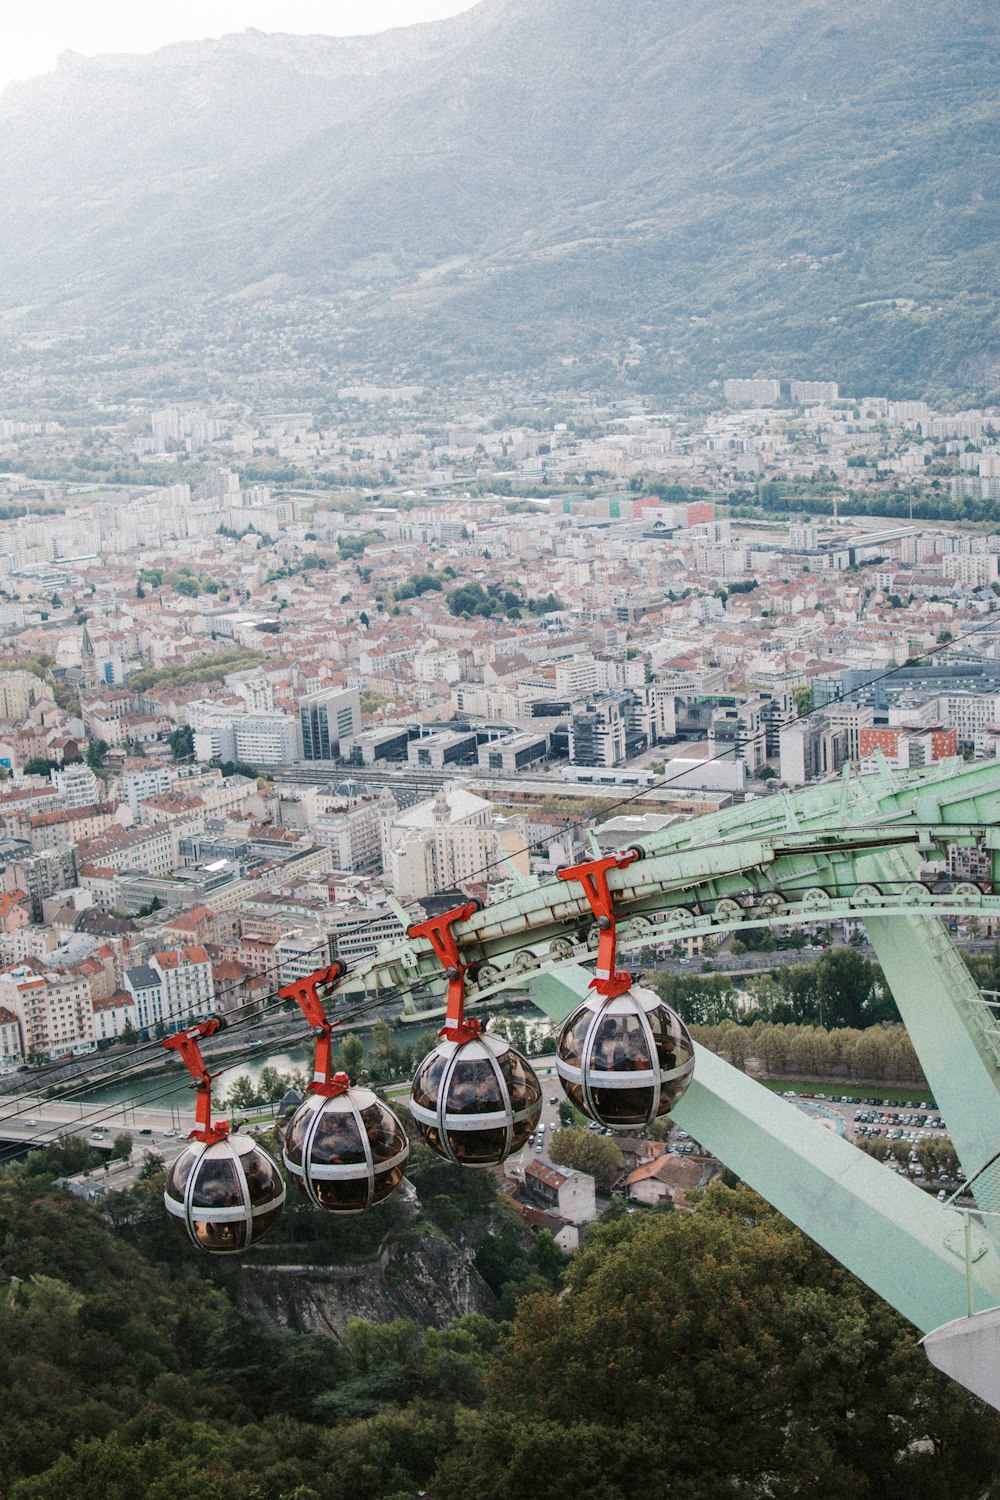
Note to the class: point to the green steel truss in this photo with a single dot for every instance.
(849, 848)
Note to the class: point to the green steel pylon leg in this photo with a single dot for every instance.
(902, 1243)
(955, 1036)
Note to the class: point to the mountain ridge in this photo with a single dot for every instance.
(652, 191)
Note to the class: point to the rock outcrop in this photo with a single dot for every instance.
(426, 1279)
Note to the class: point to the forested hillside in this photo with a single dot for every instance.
(695, 1356)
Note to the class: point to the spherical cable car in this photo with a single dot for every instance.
(474, 1098)
(224, 1195)
(223, 1191)
(624, 1058)
(345, 1150)
(343, 1147)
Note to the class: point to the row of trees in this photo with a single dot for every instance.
(209, 668)
(841, 988)
(880, 1052)
(938, 1158)
(472, 599)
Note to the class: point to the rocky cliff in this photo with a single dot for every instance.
(426, 1279)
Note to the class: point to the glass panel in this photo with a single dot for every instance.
(295, 1134)
(337, 1141)
(623, 1106)
(670, 1092)
(431, 1136)
(523, 1131)
(478, 1146)
(222, 1237)
(523, 1087)
(265, 1221)
(620, 1045)
(350, 1194)
(387, 1181)
(474, 1089)
(672, 1050)
(216, 1184)
(574, 1093)
(263, 1178)
(179, 1174)
(572, 1040)
(385, 1134)
(428, 1080)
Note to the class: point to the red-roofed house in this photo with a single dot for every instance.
(560, 1190)
(669, 1176)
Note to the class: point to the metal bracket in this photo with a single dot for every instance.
(439, 933)
(593, 876)
(305, 994)
(185, 1044)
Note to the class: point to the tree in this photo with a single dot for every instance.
(845, 987)
(121, 1146)
(39, 766)
(95, 753)
(352, 1054)
(181, 743)
(242, 1094)
(586, 1151)
(726, 1351)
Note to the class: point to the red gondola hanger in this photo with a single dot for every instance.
(305, 993)
(439, 932)
(223, 1191)
(185, 1043)
(343, 1147)
(593, 876)
(474, 1098)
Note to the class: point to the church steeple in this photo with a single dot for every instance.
(88, 658)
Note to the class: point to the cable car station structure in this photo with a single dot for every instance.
(853, 848)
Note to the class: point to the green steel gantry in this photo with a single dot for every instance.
(853, 848)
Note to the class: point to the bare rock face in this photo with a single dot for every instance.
(428, 1281)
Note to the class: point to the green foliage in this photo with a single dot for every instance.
(716, 1347)
(417, 584)
(121, 1146)
(96, 753)
(355, 544)
(472, 599)
(39, 766)
(586, 1151)
(181, 743)
(723, 1349)
(840, 988)
(199, 669)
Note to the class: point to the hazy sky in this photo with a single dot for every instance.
(34, 32)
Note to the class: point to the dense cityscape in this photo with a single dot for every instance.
(499, 779)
